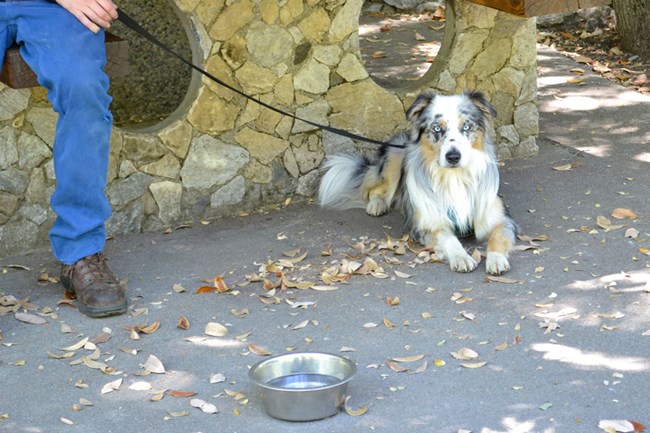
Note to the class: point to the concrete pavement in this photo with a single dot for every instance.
(562, 340)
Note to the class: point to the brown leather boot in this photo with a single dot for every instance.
(98, 292)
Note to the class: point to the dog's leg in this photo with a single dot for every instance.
(499, 245)
(447, 246)
(380, 188)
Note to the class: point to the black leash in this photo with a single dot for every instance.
(137, 28)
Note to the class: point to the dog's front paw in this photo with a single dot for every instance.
(496, 263)
(462, 263)
(376, 206)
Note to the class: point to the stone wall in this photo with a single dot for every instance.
(222, 154)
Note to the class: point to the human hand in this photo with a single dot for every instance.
(92, 13)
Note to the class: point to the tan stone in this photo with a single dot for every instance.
(167, 166)
(116, 149)
(351, 69)
(210, 113)
(509, 80)
(268, 45)
(142, 147)
(290, 11)
(234, 52)
(290, 163)
(263, 147)
(524, 50)
(255, 80)
(258, 173)
(284, 91)
(313, 77)
(177, 137)
(269, 10)
(492, 58)
(284, 127)
(217, 66)
(233, 18)
(327, 54)
(250, 113)
(315, 25)
(186, 5)
(346, 21)
(208, 11)
(365, 108)
(268, 119)
(307, 153)
(467, 46)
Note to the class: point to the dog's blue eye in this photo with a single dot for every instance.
(437, 129)
(466, 127)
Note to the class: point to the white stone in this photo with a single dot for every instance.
(168, 198)
(211, 162)
(230, 194)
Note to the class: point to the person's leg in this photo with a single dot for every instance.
(7, 32)
(68, 60)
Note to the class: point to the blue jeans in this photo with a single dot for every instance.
(68, 60)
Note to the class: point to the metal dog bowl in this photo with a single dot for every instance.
(302, 386)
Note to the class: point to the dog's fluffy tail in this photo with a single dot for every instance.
(342, 185)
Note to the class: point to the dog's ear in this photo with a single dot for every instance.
(421, 102)
(482, 103)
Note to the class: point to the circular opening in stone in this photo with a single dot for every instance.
(400, 39)
(157, 84)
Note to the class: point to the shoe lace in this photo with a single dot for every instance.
(96, 268)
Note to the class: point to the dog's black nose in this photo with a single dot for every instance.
(453, 157)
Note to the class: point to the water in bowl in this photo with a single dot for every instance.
(303, 381)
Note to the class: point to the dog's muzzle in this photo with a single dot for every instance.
(453, 157)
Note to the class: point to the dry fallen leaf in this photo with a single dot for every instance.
(392, 300)
(183, 323)
(77, 345)
(154, 365)
(567, 167)
(616, 425)
(355, 412)
(182, 394)
(411, 358)
(300, 325)
(148, 329)
(215, 329)
(111, 386)
(396, 367)
(217, 378)
(30, 318)
(257, 350)
(623, 213)
(140, 386)
(473, 364)
(496, 279)
(178, 288)
(203, 405)
(465, 354)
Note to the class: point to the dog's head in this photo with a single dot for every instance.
(455, 125)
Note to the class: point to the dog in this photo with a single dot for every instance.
(445, 180)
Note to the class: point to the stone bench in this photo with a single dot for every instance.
(18, 75)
